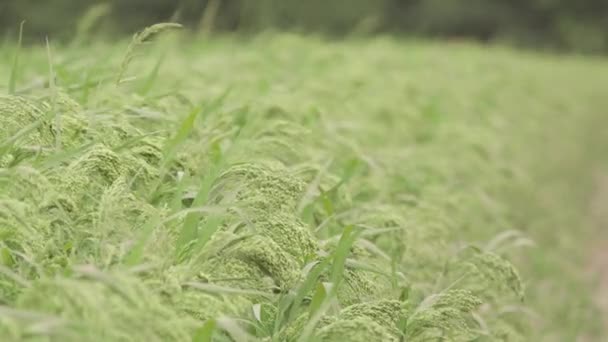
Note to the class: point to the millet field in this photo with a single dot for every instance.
(280, 187)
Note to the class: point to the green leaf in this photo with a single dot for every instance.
(340, 254)
(205, 333)
(6, 258)
(319, 297)
(311, 272)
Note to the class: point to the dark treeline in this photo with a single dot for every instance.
(579, 25)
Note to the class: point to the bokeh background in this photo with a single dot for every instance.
(558, 25)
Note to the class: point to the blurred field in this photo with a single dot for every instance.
(575, 26)
(283, 187)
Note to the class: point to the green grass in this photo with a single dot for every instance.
(280, 187)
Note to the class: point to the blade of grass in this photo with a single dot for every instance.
(178, 196)
(131, 142)
(217, 289)
(53, 88)
(319, 297)
(184, 130)
(312, 273)
(60, 157)
(135, 255)
(152, 76)
(339, 257)
(312, 187)
(12, 80)
(171, 147)
(88, 20)
(211, 225)
(189, 231)
(341, 254)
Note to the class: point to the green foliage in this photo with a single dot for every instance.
(288, 189)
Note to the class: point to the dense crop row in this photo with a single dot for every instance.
(293, 189)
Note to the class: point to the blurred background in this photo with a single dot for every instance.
(566, 25)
